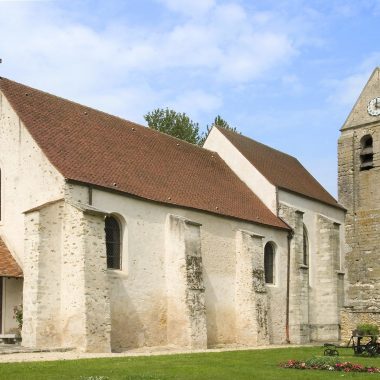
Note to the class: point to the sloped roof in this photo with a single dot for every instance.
(93, 147)
(8, 265)
(280, 169)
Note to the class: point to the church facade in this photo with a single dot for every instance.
(115, 236)
(359, 192)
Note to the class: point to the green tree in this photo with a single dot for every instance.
(218, 122)
(174, 123)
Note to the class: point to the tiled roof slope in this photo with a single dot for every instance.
(280, 169)
(8, 265)
(96, 148)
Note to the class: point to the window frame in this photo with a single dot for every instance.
(272, 252)
(305, 247)
(116, 244)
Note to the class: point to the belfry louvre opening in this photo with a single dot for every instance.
(366, 153)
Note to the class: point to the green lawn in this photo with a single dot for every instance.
(257, 364)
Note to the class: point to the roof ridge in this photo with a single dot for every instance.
(70, 101)
(105, 113)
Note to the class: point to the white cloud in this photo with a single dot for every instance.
(346, 90)
(196, 102)
(252, 55)
(46, 47)
(189, 7)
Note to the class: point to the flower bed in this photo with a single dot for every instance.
(329, 364)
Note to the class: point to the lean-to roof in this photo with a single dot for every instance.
(8, 265)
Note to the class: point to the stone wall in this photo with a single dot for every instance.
(359, 192)
(351, 318)
(206, 247)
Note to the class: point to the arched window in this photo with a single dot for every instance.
(366, 153)
(305, 258)
(269, 263)
(113, 242)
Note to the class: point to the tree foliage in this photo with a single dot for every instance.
(218, 122)
(173, 123)
(181, 126)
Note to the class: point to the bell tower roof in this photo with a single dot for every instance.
(360, 114)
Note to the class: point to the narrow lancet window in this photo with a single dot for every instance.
(305, 258)
(113, 242)
(269, 263)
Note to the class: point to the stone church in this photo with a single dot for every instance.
(359, 192)
(116, 236)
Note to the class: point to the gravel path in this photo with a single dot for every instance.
(9, 356)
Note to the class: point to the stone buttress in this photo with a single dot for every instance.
(66, 301)
(328, 282)
(186, 312)
(299, 327)
(251, 297)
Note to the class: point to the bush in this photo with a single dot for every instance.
(322, 361)
(367, 329)
(18, 315)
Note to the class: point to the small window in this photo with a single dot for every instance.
(366, 153)
(305, 258)
(113, 242)
(269, 262)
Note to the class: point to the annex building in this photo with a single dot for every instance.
(116, 236)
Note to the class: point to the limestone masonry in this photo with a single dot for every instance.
(359, 192)
(127, 237)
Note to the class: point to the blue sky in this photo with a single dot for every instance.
(285, 73)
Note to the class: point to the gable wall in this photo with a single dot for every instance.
(28, 178)
(138, 292)
(259, 185)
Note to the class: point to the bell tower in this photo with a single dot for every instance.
(359, 193)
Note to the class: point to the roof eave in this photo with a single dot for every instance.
(337, 205)
(121, 192)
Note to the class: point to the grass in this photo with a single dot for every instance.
(256, 364)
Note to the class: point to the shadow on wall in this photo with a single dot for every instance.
(136, 324)
(211, 322)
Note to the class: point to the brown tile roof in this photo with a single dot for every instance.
(280, 169)
(96, 148)
(8, 265)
